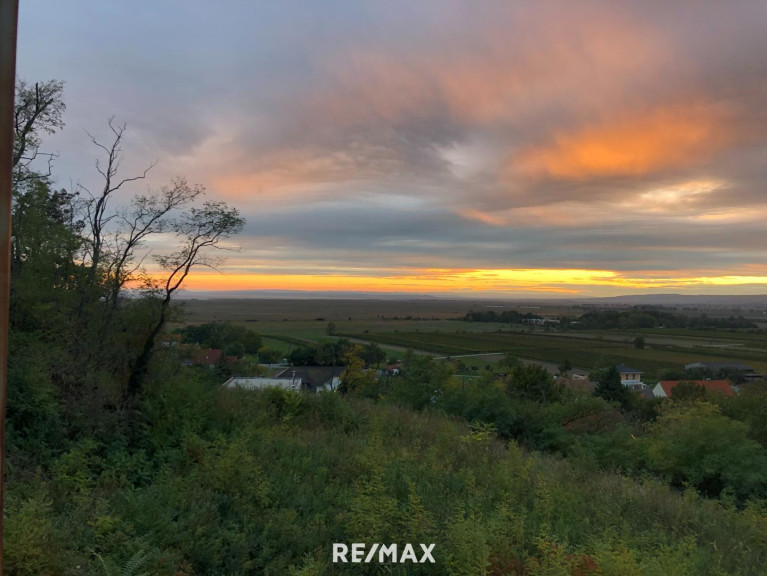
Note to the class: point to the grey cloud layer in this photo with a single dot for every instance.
(367, 237)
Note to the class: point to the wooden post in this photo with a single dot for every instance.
(9, 12)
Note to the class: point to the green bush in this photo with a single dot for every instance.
(696, 444)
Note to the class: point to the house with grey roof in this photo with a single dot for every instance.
(630, 377)
(261, 383)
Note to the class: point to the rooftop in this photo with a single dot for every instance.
(720, 386)
(624, 368)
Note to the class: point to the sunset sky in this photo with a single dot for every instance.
(441, 147)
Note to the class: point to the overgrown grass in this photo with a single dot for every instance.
(240, 482)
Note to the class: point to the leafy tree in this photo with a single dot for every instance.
(639, 342)
(749, 406)
(688, 391)
(38, 110)
(421, 381)
(372, 354)
(235, 348)
(355, 379)
(565, 366)
(610, 388)
(221, 335)
(332, 352)
(330, 329)
(509, 362)
(269, 355)
(533, 382)
(479, 400)
(44, 248)
(587, 415)
(697, 444)
(302, 356)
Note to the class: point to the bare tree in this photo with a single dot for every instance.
(146, 215)
(97, 208)
(201, 229)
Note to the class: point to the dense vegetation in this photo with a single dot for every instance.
(218, 481)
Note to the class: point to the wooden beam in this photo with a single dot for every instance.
(9, 13)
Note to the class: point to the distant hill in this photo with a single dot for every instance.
(759, 300)
(754, 301)
(299, 295)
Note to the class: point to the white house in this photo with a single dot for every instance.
(259, 383)
(630, 377)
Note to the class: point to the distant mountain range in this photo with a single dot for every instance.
(301, 295)
(682, 300)
(757, 300)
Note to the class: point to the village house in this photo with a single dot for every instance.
(261, 383)
(314, 377)
(744, 372)
(210, 358)
(720, 366)
(630, 377)
(170, 341)
(390, 370)
(664, 388)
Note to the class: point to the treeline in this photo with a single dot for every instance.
(644, 318)
(336, 352)
(234, 340)
(507, 316)
(634, 318)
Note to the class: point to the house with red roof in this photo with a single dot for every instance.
(209, 357)
(663, 389)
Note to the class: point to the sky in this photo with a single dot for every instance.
(505, 148)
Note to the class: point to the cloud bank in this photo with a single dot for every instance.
(606, 147)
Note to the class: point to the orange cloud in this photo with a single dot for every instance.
(503, 72)
(631, 146)
(345, 126)
(292, 170)
(478, 215)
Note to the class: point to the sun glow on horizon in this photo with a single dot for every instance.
(440, 280)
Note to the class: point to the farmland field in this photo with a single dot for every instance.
(436, 327)
(550, 347)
